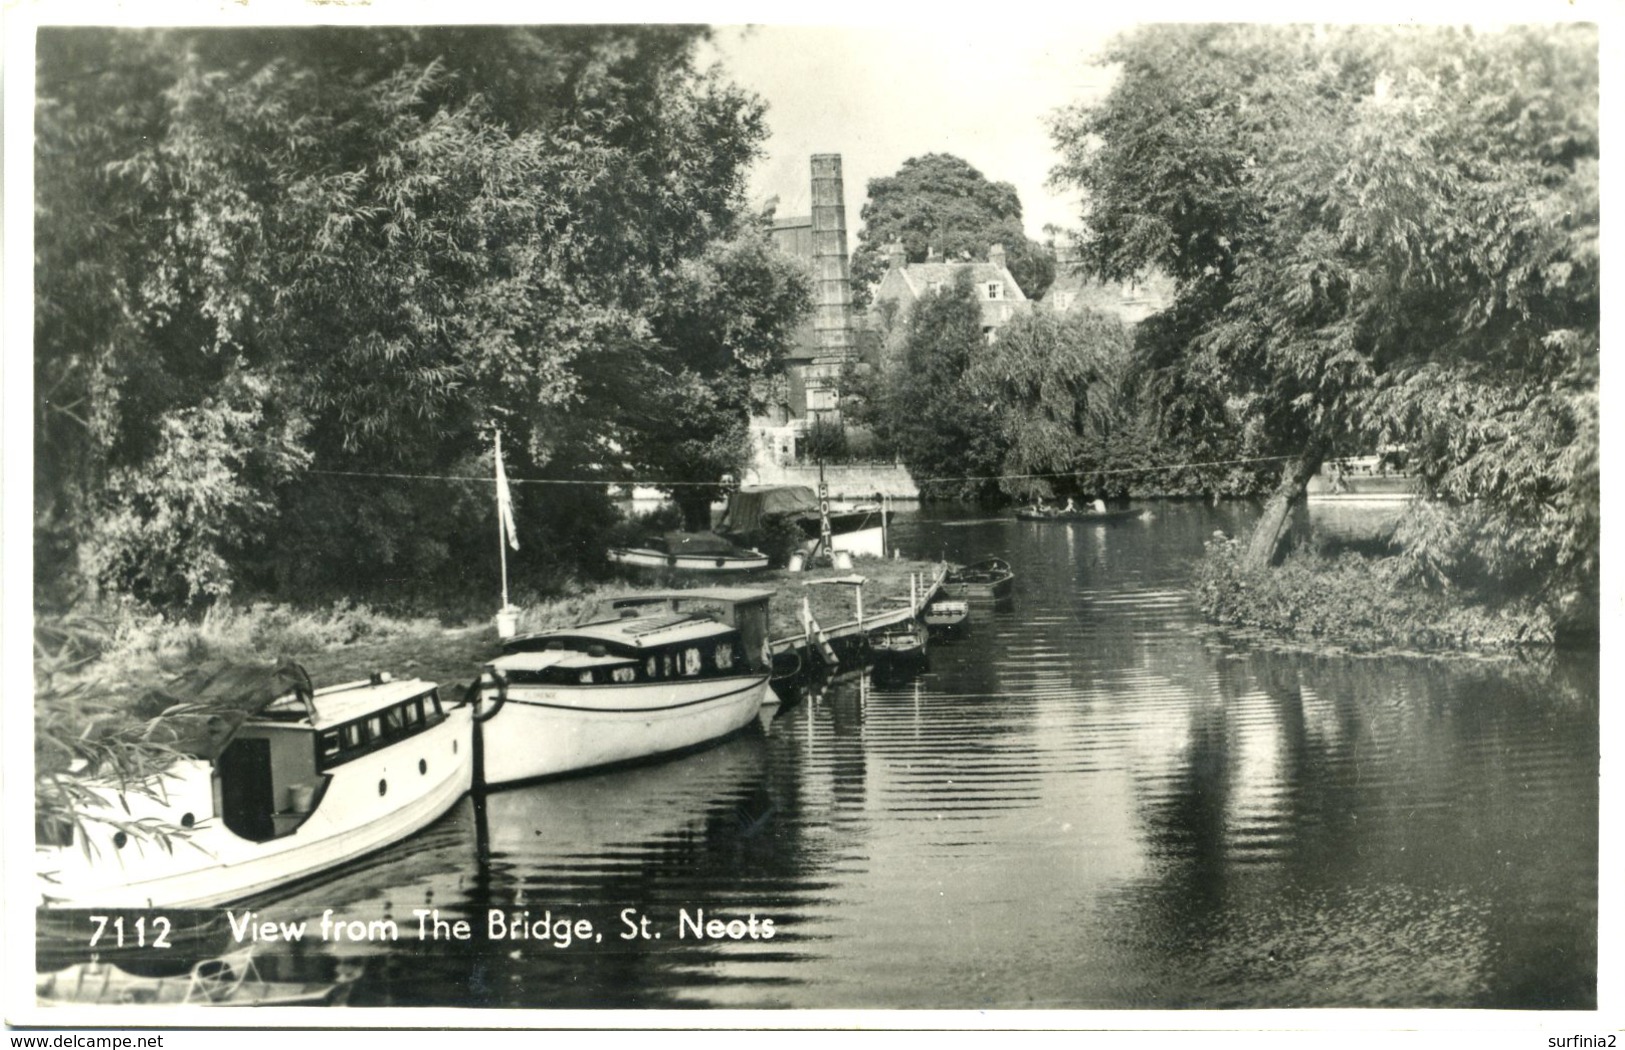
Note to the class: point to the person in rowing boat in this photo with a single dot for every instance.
(1070, 508)
(1099, 506)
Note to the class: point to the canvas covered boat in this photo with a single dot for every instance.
(855, 527)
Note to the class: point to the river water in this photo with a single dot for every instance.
(1087, 800)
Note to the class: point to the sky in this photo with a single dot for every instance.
(880, 94)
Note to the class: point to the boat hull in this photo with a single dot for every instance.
(965, 589)
(642, 558)
(369, 803)
(1080, 517)
(554, 730)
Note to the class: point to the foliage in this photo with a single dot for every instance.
(1359, 602)
(1052, 382)
(1378, 236)
(922, 405)
(825, 441)
(285, 253)
(939, 201)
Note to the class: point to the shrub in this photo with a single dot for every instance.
(1359, 602)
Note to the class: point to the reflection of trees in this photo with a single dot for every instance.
(1396, 804)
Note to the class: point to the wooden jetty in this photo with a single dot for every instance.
(819, 638)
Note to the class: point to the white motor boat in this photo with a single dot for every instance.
(275, 781)
(661, 673)
(690, 552)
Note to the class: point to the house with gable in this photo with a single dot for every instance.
(906, 283)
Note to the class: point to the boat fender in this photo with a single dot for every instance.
(476, 694)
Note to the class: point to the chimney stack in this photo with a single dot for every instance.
(995, 255)
(832, 316)
(896, 255)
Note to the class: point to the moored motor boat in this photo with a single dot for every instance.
(991, 578)
(273, 781)
(661, 673)
(690, 552)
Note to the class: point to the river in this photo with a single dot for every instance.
(1086, 800)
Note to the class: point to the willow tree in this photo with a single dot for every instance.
(1054, 386)
(1377, 235)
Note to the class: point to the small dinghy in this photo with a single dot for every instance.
(690, 552)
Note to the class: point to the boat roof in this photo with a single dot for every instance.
(201, 711)
(342, 703)
(637, 632)
(537, 659)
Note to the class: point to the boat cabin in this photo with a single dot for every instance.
(271, 777)
(711, 633)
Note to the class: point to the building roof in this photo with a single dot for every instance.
(1131, 301)
(912, 282)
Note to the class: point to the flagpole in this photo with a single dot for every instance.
(501, 525)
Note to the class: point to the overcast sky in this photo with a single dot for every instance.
(878, 95)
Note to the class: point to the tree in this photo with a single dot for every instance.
(315, 254)
(1054, 384)
(939, 201)
(1360, 221)
(724, 324)
(921, 405)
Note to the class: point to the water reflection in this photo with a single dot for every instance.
(1084, 800)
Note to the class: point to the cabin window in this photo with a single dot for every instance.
(330, 743)
(624, 674)
(691, 661)
(725, 655)
(434, 698)
(669, 663)
(585, 677)
(353, 735)
(651, 667)
(413, 711)
(395, 720)
(375, 727)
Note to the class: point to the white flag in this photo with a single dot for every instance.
(505, 499)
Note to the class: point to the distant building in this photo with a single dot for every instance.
(1130, 301)
(997, 293)
(827, 341)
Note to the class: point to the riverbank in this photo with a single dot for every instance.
(89, 668)
(1358, 602)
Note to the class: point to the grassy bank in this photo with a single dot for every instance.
(89, 667)
(1361, 603)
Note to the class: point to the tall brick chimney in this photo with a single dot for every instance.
(832, 294)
